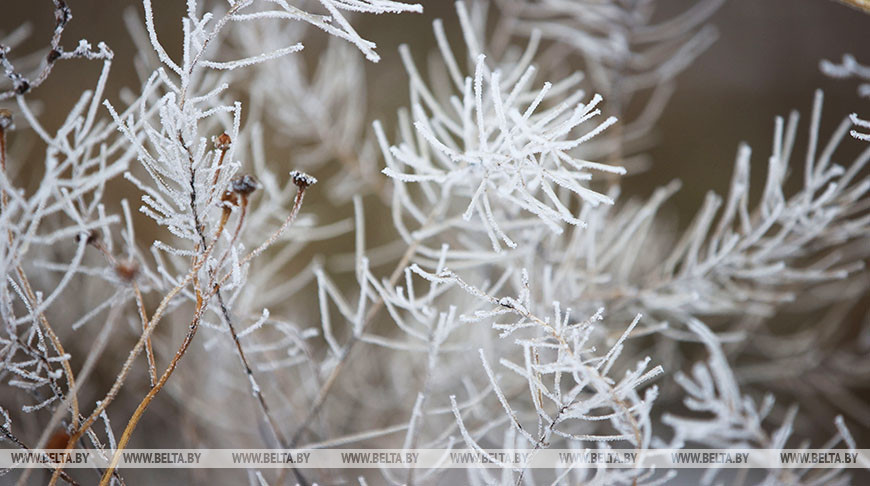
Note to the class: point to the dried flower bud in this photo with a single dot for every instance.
(230, 198)
(302, 180)
(5, 119)
(223, 142)
(127, 270)
(244, 185)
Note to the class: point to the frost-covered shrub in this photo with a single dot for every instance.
(502, 292)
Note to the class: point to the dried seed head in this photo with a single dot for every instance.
(5, 119)
(223, 142)
(230, 198)
(127, 270)
(302, 180)
(244, 185)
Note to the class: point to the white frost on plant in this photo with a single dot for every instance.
(851, 68)
(501, 144)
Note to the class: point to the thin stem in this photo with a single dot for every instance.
(134, 353)
(192, 329)
(323, 393)
(140, 307)
(240, 4)
(140, 410)
(15, 440)
(255, 387)
(6, 122)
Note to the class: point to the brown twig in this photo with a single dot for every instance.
(127, 271)
(302, 181)
(137, 415)
(134, 353)
(20, 83)
(15, 440)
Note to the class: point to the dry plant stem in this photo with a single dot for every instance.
(282, 441)
(255, 387)
(62, 16)
(134, 353)
(194, 326)
(149, 349)
(11, 437)
(276, 431)
(137, 415)
(279, 436)
(191, 333)
(143, 316)
(25, 283)
(323, 393)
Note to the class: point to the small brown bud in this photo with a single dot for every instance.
(230, 198)
(127, 270)
(244, 185)
(223, 142)
(53, 55)
(302, 180)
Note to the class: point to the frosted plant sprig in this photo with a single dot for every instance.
(22, 84)
(553, 350)
(334, 23)
(764, 248)
(633, 61)
(849, 67)
(738, 256)
(721, 416)
(500, 144)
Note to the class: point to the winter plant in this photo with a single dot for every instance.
(245, 250)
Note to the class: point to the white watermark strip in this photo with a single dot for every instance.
(440, 458)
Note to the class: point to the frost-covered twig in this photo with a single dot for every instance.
(850, 68)
(21, 84)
